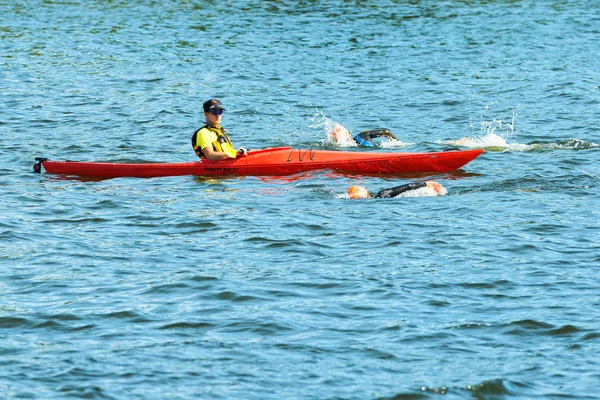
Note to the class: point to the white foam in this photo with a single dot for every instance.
(394, 144)
(495, 136)
(490, 141)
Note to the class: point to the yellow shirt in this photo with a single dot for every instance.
(216, 137)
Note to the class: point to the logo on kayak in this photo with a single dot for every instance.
(220, 169)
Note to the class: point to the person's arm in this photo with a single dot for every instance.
(395, 191)
(365, 137)
(212, 155)
(375, 133)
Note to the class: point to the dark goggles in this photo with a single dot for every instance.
(216, 112)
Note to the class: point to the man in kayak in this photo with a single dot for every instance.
(430, 189)
(211, 142)
(365, 138)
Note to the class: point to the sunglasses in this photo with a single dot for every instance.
(217, 112)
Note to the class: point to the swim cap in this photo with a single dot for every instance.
(340, 133)
(358, 192)
(437, 188)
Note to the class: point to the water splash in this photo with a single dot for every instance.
(498, 135)
(320, 121)
(394, 144)
(494, 142)
(489, 142)
(495, 135)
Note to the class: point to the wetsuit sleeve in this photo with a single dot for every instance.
(375, 133)
(363, 139)
(395, 191)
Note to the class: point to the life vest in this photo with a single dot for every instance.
(222, 144)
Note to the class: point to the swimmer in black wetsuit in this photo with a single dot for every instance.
(359, 192)
(365, 138)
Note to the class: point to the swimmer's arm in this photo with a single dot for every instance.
(395, 191)
(375, 133)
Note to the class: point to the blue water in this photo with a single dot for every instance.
(261, 288)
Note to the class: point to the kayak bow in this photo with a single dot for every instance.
(273, 162)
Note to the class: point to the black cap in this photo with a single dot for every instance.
(212, 105)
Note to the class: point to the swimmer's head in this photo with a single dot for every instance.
(437, 188)
(340, 134)
(358, 192)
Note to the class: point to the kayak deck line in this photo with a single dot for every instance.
(301, 157)
(273, 162)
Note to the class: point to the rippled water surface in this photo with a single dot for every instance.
(269, 288)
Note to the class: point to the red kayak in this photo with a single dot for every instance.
(274, 162)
